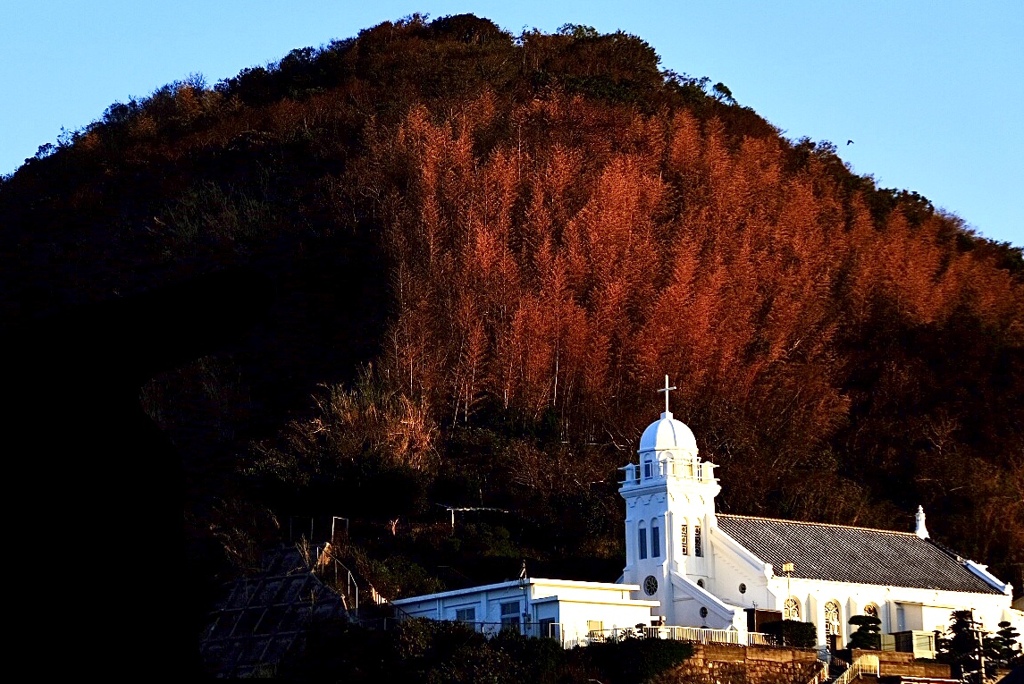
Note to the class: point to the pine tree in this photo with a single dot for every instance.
(1007, 650)
(868, 632)
(963, 647)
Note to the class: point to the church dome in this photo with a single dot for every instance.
(668, 433)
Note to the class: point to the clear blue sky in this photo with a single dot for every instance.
(930, 91)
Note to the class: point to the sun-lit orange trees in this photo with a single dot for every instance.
(502, 244)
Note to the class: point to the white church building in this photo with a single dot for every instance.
(688, 566)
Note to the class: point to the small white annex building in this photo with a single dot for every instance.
(687, 565)
(570, 611)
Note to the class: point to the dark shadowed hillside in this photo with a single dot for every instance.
(440, 265)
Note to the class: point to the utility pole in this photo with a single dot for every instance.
(981, 649)
(977, 635)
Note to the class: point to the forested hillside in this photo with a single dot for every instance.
(476, 256)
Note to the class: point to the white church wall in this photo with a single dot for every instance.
(1015, 618)
(906, 616)
(735, 566)
(690, 598)
(935, 618)
(812, 610)
(698, 566)
(686, 613)
(669, 537)
(922, 609)
(641, 511)
(729, 576)
(630, 534)
(853, 606)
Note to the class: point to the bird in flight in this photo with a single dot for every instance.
(849, 142)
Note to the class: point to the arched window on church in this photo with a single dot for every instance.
(655, 539)
(791, 609)
(833, 624)
(683, 546)
(698, 549)
(648, 468)
(642, 538)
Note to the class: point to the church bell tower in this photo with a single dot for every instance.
(670, 506)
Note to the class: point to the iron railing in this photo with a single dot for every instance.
(862, 665)
(697, 635)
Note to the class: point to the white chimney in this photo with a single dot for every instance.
(921, 531)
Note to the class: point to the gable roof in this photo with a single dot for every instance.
(853, 554)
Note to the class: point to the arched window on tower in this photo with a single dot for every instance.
(698, 549)
(648, 468)
(683, 543)
(642, 539)
(791, 609)
(655, 539)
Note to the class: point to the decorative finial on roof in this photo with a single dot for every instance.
(666, 390)
(921, 531)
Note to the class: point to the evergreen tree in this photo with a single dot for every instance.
(1007, 650)
(868, 634)
(964, 648)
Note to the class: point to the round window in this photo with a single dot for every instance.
(743, 588)
(650, 585)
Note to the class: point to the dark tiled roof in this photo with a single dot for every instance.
(852, 554)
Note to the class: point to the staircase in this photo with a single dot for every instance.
(821, 676)
(837, 667)
(841, 672)
(340, 577)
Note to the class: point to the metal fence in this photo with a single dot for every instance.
(697, 635)
(570, 638)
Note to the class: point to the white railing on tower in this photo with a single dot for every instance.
(635, 473)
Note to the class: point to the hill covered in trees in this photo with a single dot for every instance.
(441, 265)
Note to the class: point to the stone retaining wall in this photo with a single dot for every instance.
(892, 663)
(729, 664)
